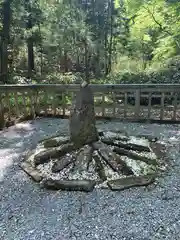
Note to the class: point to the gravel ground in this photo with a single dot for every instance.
(30, 213)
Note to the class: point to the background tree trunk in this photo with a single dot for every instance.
(29, 26)
(6, 10)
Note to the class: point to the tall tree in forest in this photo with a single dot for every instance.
(5, 37)
(100, 16)
(29, 26)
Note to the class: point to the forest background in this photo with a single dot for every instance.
(106, 41)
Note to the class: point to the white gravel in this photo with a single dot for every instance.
(30, 213)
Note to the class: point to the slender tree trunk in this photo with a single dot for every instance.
(78, 68)
(1, 55)
(105, 50)
(30, 43)
(66, 68)
(41, 50)
(30, 57)
(97, 64)
(41, 61)
(111, 36)
(86, 61)
(106, 36)
(6, 9)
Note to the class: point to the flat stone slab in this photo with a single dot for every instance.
(131, 181)
(55, 142)
(63, 162)
(70, 185)
(32, 172)
(148, 137)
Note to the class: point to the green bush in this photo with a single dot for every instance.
(67, 78)
(169, 73)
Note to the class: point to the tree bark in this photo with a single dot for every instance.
(82, 119)
(86, 61)
(30, 57)
(111, 38)
(29, 26)
(6, 7)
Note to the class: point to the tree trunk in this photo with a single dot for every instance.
(6, 7)
(82, 120)
(97, 65)
(86, 61)
(30, 57)
(111, 38)
(66, 68)
(29, 27)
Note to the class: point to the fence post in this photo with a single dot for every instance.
(137, 103)
(162, 107)
(2, 120)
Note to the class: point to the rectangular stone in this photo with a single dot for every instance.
(33, 173)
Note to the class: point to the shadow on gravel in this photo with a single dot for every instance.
(13, 143)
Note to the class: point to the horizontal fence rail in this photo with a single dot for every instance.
(158, 102)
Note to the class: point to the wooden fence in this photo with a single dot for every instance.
(139, 102)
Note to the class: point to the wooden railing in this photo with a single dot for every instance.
(123, 101)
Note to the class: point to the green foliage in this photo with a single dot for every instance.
(60, 78)
(167, 72)
(131, 40)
